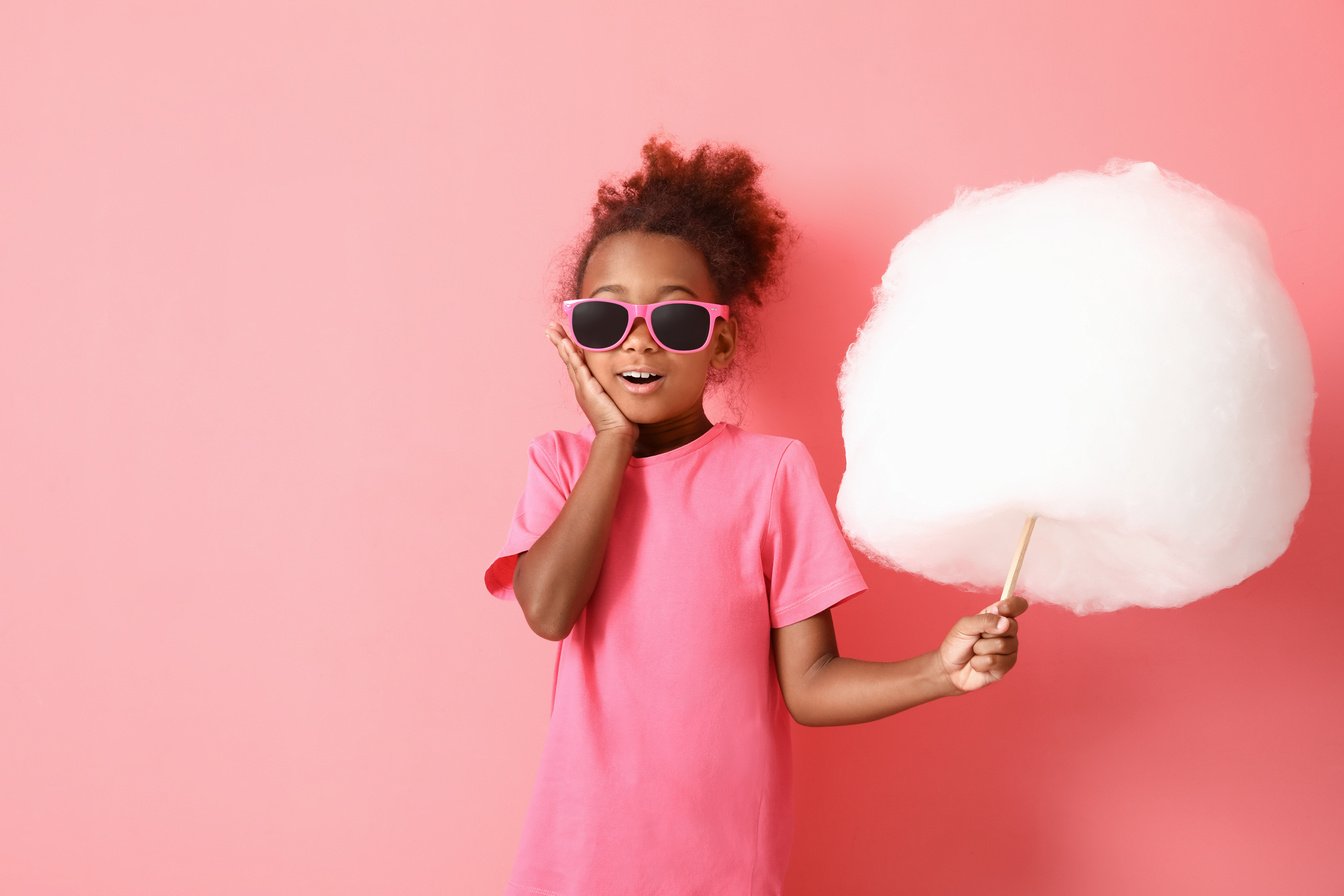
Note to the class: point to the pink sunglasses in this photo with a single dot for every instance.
(679, 326)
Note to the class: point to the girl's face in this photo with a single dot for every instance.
(644, 268)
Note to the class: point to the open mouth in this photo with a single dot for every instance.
(640, 384)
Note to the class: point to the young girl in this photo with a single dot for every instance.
(686, 567)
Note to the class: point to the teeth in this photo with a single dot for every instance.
(632, 375)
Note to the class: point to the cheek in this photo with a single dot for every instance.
(691, 375)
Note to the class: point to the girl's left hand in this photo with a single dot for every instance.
(977, 652)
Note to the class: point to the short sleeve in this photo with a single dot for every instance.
(544, 495)
(808, 561)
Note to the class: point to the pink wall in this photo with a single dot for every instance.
(256, 460)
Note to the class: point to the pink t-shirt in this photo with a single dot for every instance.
(667, 762)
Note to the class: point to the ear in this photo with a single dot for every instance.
(724, 343)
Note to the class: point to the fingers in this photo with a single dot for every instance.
(997, 666)
(995, 647)
(1015, 605)
(574, 362)
(986, 625)
(561, 343)
(982, 649)
(593, 399)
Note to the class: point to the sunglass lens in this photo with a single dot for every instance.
(681, 327)
(598, 324)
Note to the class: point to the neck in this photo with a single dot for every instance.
(656, 438)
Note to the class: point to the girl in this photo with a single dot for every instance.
(687, 568)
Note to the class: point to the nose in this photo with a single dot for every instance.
(639, 337)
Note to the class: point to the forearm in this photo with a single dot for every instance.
(846, 691)
(555, 578)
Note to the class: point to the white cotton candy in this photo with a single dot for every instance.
(1109, 351)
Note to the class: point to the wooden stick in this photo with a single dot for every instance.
(1017, 561)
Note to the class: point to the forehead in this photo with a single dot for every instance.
(634, 259)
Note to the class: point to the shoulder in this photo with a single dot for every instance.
(561, 441)
(560, 452)
(770, 450)
(554, 441)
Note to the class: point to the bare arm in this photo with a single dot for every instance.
(846, 691)
(554, 580)
(556, 577)
(821, 687)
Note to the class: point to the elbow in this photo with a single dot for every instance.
(522, 590)
(550, 632)
(534, 610)
(550, 629)
(805, 698)
(798, 709)
(807, 721)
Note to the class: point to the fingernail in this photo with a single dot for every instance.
(1002, 624)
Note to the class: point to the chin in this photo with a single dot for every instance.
(644, 411)
(642, 417)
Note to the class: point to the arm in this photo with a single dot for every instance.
(556, 577)
(821, 687)
(554, 580)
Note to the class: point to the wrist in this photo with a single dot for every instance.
(616, 440)
(937, 673)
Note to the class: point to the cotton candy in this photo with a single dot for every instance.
(1109, 351)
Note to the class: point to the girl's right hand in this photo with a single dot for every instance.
(597, 405)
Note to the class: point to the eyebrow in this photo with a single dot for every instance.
(662, 290)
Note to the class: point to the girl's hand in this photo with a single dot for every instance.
(597, 405)
(977, 652)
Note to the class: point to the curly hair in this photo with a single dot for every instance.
(710, 199)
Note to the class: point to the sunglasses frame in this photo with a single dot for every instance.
(636, 311)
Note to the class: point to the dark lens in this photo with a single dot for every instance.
(681, 326)
(598, 324)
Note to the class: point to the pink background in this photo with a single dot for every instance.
(271, 351)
